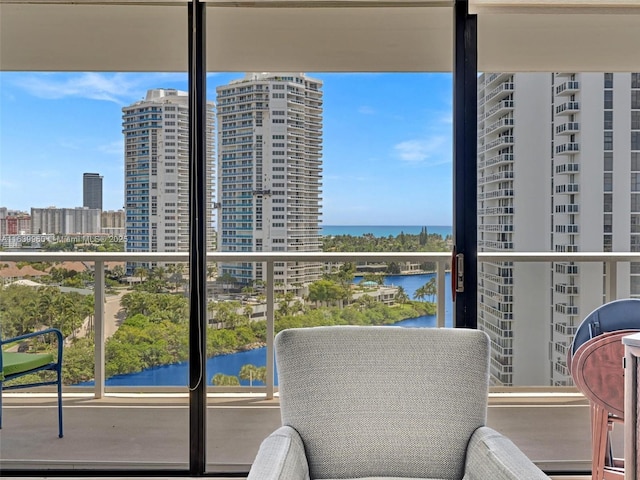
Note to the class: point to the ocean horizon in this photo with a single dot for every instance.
(382, 230)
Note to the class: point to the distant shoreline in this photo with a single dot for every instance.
(383, 230)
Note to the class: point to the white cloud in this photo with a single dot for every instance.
(431, 151)
(111, 87)
(366, 110)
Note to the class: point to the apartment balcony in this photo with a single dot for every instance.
(499, 126)
(492, 78)
(495, 228)
(567, 168)
(502, 107)
(500, 193)
(567, 128)
(566, 309)
(565, 289)
(567, 108)
(496, 177)
(568, 188)
(568, 148)
(496, 245)
(125, 428)
(497, 160)
(500, 142)
(568, 88)
(500, 91)
(564, 329)
(567, 208)
(493, 211)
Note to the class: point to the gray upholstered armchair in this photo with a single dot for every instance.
(386, 403)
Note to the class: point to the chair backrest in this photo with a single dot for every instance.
(383, 401)
(617, 315)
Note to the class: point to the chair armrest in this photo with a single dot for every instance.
(33, 334)
(281, 457)
(57, 332)
(492, 455)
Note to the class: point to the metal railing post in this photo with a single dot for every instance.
(270, 331)
(441, 298)
(98, 325)
(611, 281)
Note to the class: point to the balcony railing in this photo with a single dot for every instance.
(610, 260)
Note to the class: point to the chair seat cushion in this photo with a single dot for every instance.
(14, 362)
(391, 478)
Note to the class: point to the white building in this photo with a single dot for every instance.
(269, 176)
(577, 137)
(157, 172)
(64, 221)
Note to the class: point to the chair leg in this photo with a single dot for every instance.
(600, 431)
(59, 404)
(0, 405)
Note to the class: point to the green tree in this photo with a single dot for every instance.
(220, 379)
(252, 373)
(401, 295)
(325, 291)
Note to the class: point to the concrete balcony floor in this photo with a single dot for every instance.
(150, 432)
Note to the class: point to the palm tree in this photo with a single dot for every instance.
(220, 379)
(431, 289)
(251, 372)
(141, 273)
(401, 295)
(420, 294)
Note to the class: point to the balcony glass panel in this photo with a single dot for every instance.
(83, 160)
(304, 163)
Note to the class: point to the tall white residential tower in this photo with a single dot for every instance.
(559, 171)
(269, 176)
(157, 172)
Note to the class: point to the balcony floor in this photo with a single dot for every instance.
(145, 432)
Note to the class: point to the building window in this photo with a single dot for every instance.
(608, 99)
(608, 202)
(608, 182)
(635, 202)
(608, 161)
(608, 80)
(635, 182)
(635, 120)
(635, 140)
(608, 141)
(635, 99)
(608, 120)
(635, 80)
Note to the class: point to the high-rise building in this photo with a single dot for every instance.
(14, 222)
(112, 222)
(559, 171)
(269, 175)
(156, 132)
(63, 221)
(92, 190)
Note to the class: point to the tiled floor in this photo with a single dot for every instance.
(152, 433)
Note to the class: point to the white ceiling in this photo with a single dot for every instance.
(341, 36)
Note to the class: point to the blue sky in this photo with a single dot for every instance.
(386, 158)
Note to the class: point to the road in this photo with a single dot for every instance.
(113, 317)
